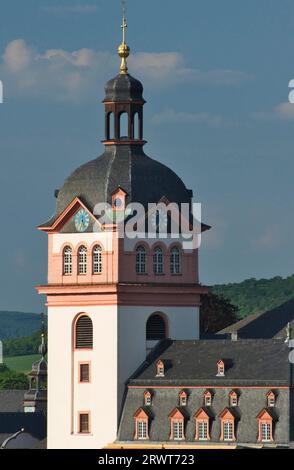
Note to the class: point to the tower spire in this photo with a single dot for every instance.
(124, 50)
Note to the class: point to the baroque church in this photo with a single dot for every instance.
(126, 365)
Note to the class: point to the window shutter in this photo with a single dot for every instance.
(84, 333)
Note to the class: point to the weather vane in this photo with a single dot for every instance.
(124, 50)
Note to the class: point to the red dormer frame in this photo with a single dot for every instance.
(207, 396)
(183, 396)
(201, 417)
(227, 421)
(147, 398)
(265, 422)
(177, 419)
(233, 397)
(271, 398)
(160, 369)
(141, 419)
(220, 368)
(120, 195)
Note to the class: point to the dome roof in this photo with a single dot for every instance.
(145, 180)
(124, 87)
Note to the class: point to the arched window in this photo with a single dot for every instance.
(67, 261)
(158, 261)
(175, 261)
(84, 333)
(110, 126)
(136, 126)
(155, 328)
(123, 125)
(141, 260)
(97, 260)
(82, 260)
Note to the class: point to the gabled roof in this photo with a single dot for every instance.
(229, 413)
(56, 222)
(204, 412)
(270, 324)
(268, 413)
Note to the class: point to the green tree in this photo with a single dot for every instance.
(10, 380)
(216, 313)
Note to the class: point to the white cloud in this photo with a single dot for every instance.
(171, 67)
(171, 116)
(284, 111)
(75, 75)
(17, 55)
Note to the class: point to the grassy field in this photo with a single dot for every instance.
(21, 363)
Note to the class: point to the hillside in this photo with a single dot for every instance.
(22, 346)
(18, 324)
(257, 296)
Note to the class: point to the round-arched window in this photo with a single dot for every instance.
(84, 333)
(155, 328)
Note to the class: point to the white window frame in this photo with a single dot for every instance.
(97, 260)
(175, 260)
(141, 260)
(178, 429)
(67, 261)
(202, 429)
(82, 260)
(265, 431)
(228, 430)
(158, 260)
(142, 429)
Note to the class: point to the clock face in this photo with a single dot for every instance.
(82, 220)
(159, 219)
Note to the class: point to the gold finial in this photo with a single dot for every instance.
(124, 50)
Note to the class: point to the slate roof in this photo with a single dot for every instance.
(247, 362)
(11, 401)
(124, 87)
(253, 367)
(12, 419)
(270, 324)
(144, 179)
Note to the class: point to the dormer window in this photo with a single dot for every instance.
(119, 200)
(233, 398)
(183, 398)
(220, 368)
(159, 369)
(207, 398)
(141, 425)
(271, 399)
(147, 398)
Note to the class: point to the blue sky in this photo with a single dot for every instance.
(216, 77)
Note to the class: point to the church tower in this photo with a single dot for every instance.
(111, 299)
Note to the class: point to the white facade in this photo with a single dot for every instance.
(119, 347)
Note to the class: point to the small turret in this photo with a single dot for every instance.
(35, 399)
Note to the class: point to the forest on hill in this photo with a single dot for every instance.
(257, 296)
(18, 324)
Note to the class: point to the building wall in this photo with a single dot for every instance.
(183, 324)
(56, 245)
(66, 397)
